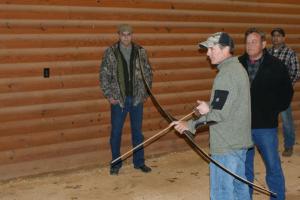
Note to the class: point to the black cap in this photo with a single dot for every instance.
(279, 30)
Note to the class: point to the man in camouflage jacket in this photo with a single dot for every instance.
(122, 84)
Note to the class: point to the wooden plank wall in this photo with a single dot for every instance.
(63, 122)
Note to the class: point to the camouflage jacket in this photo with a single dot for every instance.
(110, 80)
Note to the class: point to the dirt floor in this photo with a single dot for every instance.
(177, 176)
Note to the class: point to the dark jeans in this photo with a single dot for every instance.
(266, 141)
(118, 116)
(288, 127)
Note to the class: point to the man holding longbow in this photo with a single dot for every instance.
(229, 106)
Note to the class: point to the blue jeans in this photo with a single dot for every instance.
(266, 141)
(288, 127)
(224, 186)
(118, 116)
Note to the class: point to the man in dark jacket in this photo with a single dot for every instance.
(271, 93)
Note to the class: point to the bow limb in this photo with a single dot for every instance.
(188, 134)
(164, 113)
(206, 156)
(151, 139)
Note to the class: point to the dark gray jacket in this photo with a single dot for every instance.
(271, 91)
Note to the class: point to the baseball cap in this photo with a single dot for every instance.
(221, 38)
(124, 28)
(279, 30)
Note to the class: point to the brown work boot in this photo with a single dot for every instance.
(287, 152)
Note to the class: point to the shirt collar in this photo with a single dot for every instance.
(282, 46)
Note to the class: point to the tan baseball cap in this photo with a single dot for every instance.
(221, 38)
(124, 28)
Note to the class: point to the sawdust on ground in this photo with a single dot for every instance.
(176, 176)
